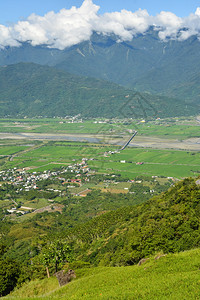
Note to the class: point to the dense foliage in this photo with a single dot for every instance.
(167, 223)
(9, 274)
(33, 90)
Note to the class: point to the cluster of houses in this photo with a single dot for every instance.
(28, 181)
(23, 180)
(79, 168)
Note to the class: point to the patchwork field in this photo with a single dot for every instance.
(151, 162)
(130, 162)
(40, 153)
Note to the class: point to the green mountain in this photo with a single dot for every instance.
(145, 63)
(35, 90)
(101, 57)
(29, 89)
(189, 90)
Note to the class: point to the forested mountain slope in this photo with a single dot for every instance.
(169, 223)
(146, 63)
(28, 89)
(165, 224)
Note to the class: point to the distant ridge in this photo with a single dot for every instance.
(28, 89)
(145, 63)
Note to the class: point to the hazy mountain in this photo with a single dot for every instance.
(146, 62)
(102, 57)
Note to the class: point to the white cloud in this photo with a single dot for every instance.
(6, 38)
(192, 24)
(61, 30)
(125, 24)
(70, 27)
(168, 23)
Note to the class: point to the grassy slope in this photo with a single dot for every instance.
(175, 276)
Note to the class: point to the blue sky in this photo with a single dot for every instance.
(12, 11)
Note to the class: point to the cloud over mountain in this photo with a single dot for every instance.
(70, 27)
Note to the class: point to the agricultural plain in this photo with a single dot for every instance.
(168, 147)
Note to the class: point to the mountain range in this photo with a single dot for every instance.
(168, 69)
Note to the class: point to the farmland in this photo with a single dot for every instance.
(51, 143)
(153, 162)
(179, 128)
(66, 148)
(55, 175)
(48, 155)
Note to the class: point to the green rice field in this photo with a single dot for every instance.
(41, 155)
(129, 162)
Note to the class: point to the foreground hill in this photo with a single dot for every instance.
(174, 276)
(169, 222)
(28, 89)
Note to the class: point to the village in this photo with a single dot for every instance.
(75, 180)
(23, 182)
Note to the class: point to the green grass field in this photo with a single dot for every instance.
(175, 131)
(157, 156)
(55, 126)
(9, 150)
(36, 203)
(174, 276)
(132, 170)
(169, 163)
(44, 155)
(50, 155)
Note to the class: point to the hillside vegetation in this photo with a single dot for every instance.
(33, 90)
(167, 223)
(173, 276)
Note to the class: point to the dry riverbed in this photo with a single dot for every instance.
(192, 144)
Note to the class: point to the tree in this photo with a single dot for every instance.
(3, 248)
(54, 254)
(9, 274)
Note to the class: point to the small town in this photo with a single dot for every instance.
(76, 180)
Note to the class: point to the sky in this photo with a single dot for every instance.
(15, 10)
(63, 23)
